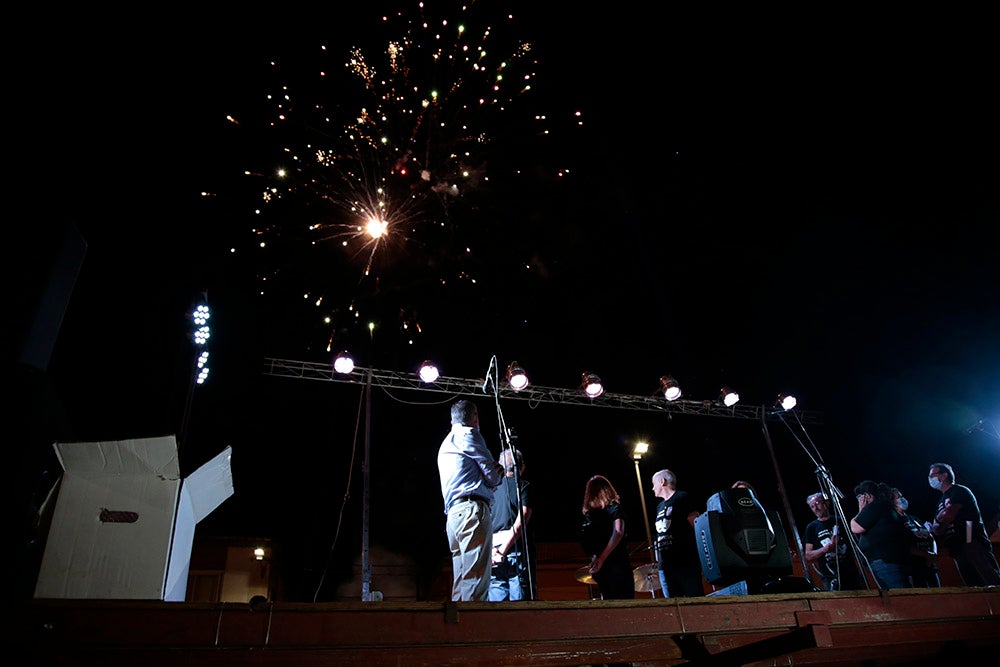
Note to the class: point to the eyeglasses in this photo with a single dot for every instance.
(859, 496)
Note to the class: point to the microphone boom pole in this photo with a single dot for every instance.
(492, 367)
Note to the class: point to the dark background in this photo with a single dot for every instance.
(801, 204)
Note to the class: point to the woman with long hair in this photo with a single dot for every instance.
(603, 539)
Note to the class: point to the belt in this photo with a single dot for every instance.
(462, 499)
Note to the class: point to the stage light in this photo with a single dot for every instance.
(591, 385)
(729, 397)
(516, 377)
(671, 390)
(428, 372)
(740, 540)
(344, 363)
(786, 401)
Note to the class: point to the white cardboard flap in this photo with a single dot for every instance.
(210, 484)
(151, 456)
(203, 490)
(175, 589)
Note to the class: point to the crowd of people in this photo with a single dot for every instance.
(488, 507)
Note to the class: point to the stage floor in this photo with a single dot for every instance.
(869, 628)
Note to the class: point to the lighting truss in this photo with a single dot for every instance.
(305, 370)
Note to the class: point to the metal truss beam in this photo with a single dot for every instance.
(305, 370)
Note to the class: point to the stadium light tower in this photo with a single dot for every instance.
(201, 332)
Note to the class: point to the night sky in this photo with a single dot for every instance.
(810, 208)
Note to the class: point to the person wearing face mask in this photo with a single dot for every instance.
(923, 550)
(958, 525)
(882, 536)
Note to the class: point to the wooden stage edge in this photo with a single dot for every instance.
(871, 628)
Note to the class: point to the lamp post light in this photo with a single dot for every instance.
(641, 448)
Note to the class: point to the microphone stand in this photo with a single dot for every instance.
(507, 444)
(830, 491)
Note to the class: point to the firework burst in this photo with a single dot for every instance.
(381, 159)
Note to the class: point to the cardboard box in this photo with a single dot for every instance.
(124, 520)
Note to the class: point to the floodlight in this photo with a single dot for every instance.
(786, 401)
(201, 314)
(202, 363)
(516, 377)
(671, 390)
(202, 331)
(428, 372)
(344, 363)
(591, 385)
(640, 449)
(729, 397)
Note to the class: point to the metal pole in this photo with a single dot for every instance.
(186, 416)
(645, 518)
(366, 568)
(784, 499)
(645, 513)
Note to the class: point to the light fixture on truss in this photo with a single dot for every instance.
(516, 377)
(428, 372)
(729, 397)
(592, 385)
(671, 390)
(343, 363)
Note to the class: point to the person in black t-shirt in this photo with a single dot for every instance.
(883, 538)
(509, 577)
(603, 539)
(827, 549)
(958, 524)
(676, 547)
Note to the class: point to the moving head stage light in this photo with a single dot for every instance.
(739, 542)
